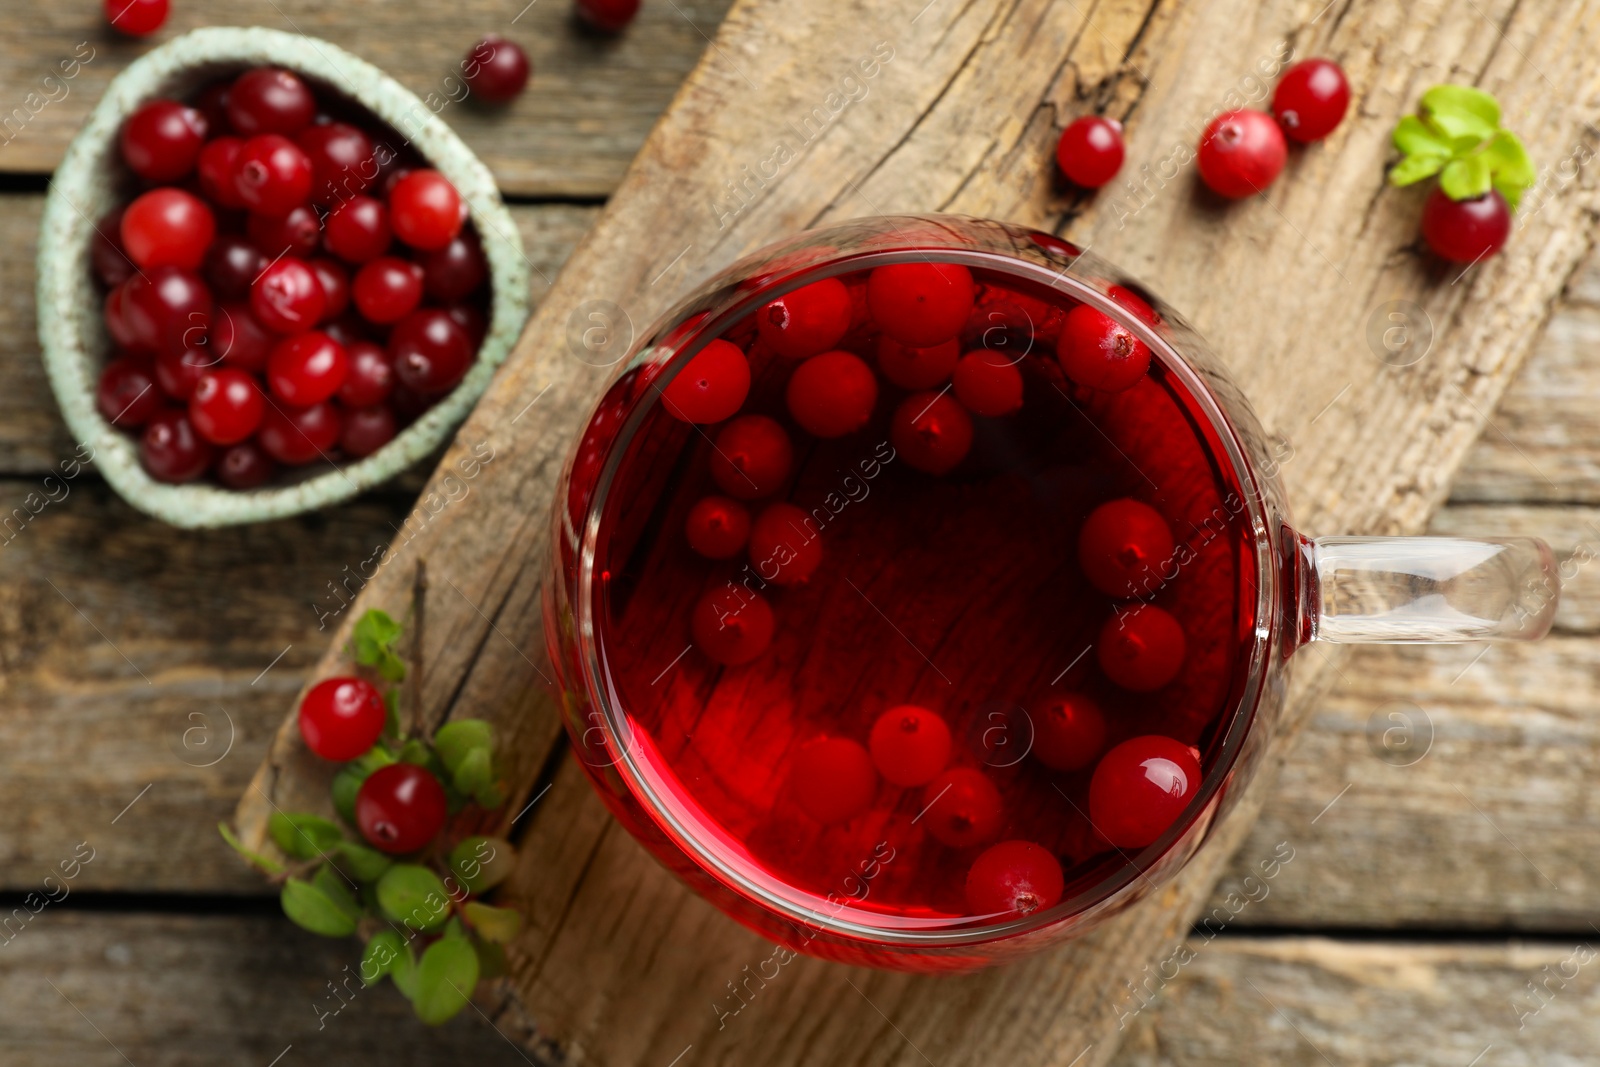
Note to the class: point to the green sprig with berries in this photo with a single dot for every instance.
(1457, 135)
(419, 915)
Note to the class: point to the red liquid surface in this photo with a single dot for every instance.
(961, 593)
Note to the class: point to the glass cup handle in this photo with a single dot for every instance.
(1400, 590)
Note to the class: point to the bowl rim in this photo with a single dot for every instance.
(71, 333)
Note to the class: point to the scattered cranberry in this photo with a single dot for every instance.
(179, 372)
(1310, 100)
(988, 383)
(271, 175)
(127, 394)
(167, 228)
(1141, 649)
(341, 718)
(170, 449)
(366, 430)
(358, 230)
(962, 808)
(607, 16)
(232, 266)
(496, 69)
(1140, 788)
(1241, 153)
(425, 210)
(335, 285)
(218, 167)
(832, 394)
(306, 369)
(1013, 878)
(1090, 151)
(243, 466)
(456, 270)
(917, 368)
(400, 808)
(269, 100)
(711, 387)
(1123, 547)
(387, 289)
(931, 431)
(731, 628)
(831, 779)
(287, 297)
(1098, 351)
(752, 457)
(161, 141)
(920, 304)
(1069, 730)
(370, 377)
(343, 160)
(239, 339)
(810, 320)
(136, 18)
(226, 406)
(785, 545)
(430, 352)
(297, 436)
(1465, 231)
(166, 309)
(909, 745)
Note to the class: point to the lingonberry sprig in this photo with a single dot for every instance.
(400, 883)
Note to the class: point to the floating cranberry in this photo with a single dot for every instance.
(785, 545)
(287, 297)
(306, 369)
(430, 352)
(1098, 351)
(343, 160)
(1142, 648)
(232, 266)
(269, 100)
(456, 270)
(358, 230)
(366, 430)
(167, 228)
(272, 175)
(1241, 153)
(127, 394)
(607, 16)
(962, 808)
(832, 394)
(239, 339)
(341, 718)
(810, 320)
(400, 808)
(161, 141)
(387, 289)
(731, 627)
(931, 431)
(831, 779)
(1123, 547)
(711, 387)
(1140, 788)
(909, 745)
(1465, 231)
(370, 377)
(1134, 302)
(226, 406)
(988, 383)
(920, 304)
(166, 309)
(1090, 151)
(243, 466)
(917, 368)
(496, 69)
(1013, 878)
(170, 449)
(335, 285)
(297, 436)
(218, 167)
(136, 18)
(717, 527)
(1310, 100)
(752, 457)
(425, 210)
(1069, 730)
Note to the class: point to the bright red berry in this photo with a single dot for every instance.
(297, 436)
(179, 372)
(1140, 788)
(917, 368)
(161, 141)
(807, 321)
(243, 466)
(239, 339)
(166, 309)
(400, 808)
(1013, 878)
(226, 406)
(127, 394)
(170, 449)
(425, 210)
(909, 745)
(1123, 546)
(1311, 99)
(306, 369)
(136, 18)
(831, 779)
(1098, 351)
(430, 352)
(1134, 302)
(711, 387)
(608, 16)
(366, 430)
(988, 383)
(286, 297)
(920, 304)
(717, 527)
(269, 100)
(370, 377)
(456, 270)
(1465, 231)
(271, 175)
(218, 168)
(341, 718)
(931, 431)
(343, 160)
(1141, 649)
(731, 628)
(1241, 153)
(785, 545)
(496, 69)
(832, 394)
(358, 230)
(1069, 730)
(752, 457)
(1090, 151)
(387, 289)
(167, 228)
(962, 808)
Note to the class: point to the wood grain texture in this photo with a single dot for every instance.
(588, 107)
(962, 119)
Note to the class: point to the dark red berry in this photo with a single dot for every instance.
(810, 320)
(296, 233)
(226, 406)
(348, 328)
(1465, 231)
(335, 286)
(272, 175)
(125, 329)
(920, 304)
(831, 779)
(179, 372)
(425, 210)
(456, 270)
(1090, 151)
(429, 351)
(931, 432)
(239, 339)
(832, 394)
(166, 309)
(961, 808)
(909, 745)
(400, 808)
(496, 69)
(917, 368)
(1142, 648)
(711, 387)
(343, 160)
(1311, 99)
(127, 394)
(111, 264)
(232, 266)
(341, 718)
(218, 167)
(387, 289)
(358, 230)
(607, 16)
(161, 141)
(717, 527)
(243, 466)
(269, 100)
(731, 628)
(1069, 730)
(785, 545)
(1241, 153)
(1140, 788)
(136, 18)
(470, 318)
(170, 450)
(1013, 878)
(370, 377)
(212, 102)
(167, 228)
(1123, 547)
(988, 383)
(287, 298)
(297, 436)
(306, 369)
(366, 430)
(1098, 351)
(752, 457)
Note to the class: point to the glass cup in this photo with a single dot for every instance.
(822, 623)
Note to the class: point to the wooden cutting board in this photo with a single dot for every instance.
(884, 107)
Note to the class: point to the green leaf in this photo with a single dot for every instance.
(382, 953)
(482, 862)
(1413, 169)
(1413, 137)
(391, 703)
(491, 796)
(1463, 179)
(347, 782)
(499, 925)
(491, 959)
(308, 907)
(410, 893)
(458, 738)
(474, 772)
(1512, 169)
(1461, 106)
(336, 889)
(417, 752)
(404, 973)
(373, 644)
(360, 862)
(269, 866)
(303, 836)
(446, 976)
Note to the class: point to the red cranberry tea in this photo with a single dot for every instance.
(929, 573)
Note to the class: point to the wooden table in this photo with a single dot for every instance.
(146, 669)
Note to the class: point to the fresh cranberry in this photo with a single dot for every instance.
(161, 141)
(232, 266)
(1013, 878)
(711, 387)
(218, 167)
(1465, 231)
(166, 309)
(387, 289)
(226, 406)
(1142, 648)
(717, 527)
(1310, 100)
(212, 102)
(136, 18)
(167, 228)
(295, 233)
(810, 320)
(920, 304)
(1123, 546)
(343, 160)
(269, 100)
(454, 271)
(832, 394)
(348, 328)
(917, 368)
(931, 431)
(785, 545)
(358, 230)
(731, 628)
(607, 16)
(471, 319)
(287, 298)
(111, 264)
(1069, 730)
(179, 372)
(831, 779)
(243, 466)
(1098, 351)
(297, 436)
(961, 808)
(425, 210)
(239, 339)
(127, 394)
(400, 808)
(392, 174)
(366, 430)
(752, 457)
(125, 329)
(430, 352)
(306, 369)
(496, 69)
(335, 285)
(341, 718)
(370, 377)
(1241, 153)
(988, 383)
(1140, 788)
(170, 449)
(271, 175)
(909, 745)
(1090, 151)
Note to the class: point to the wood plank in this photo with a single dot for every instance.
(588, 107)
(614, 936)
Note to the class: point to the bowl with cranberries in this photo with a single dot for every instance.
(270, 278)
